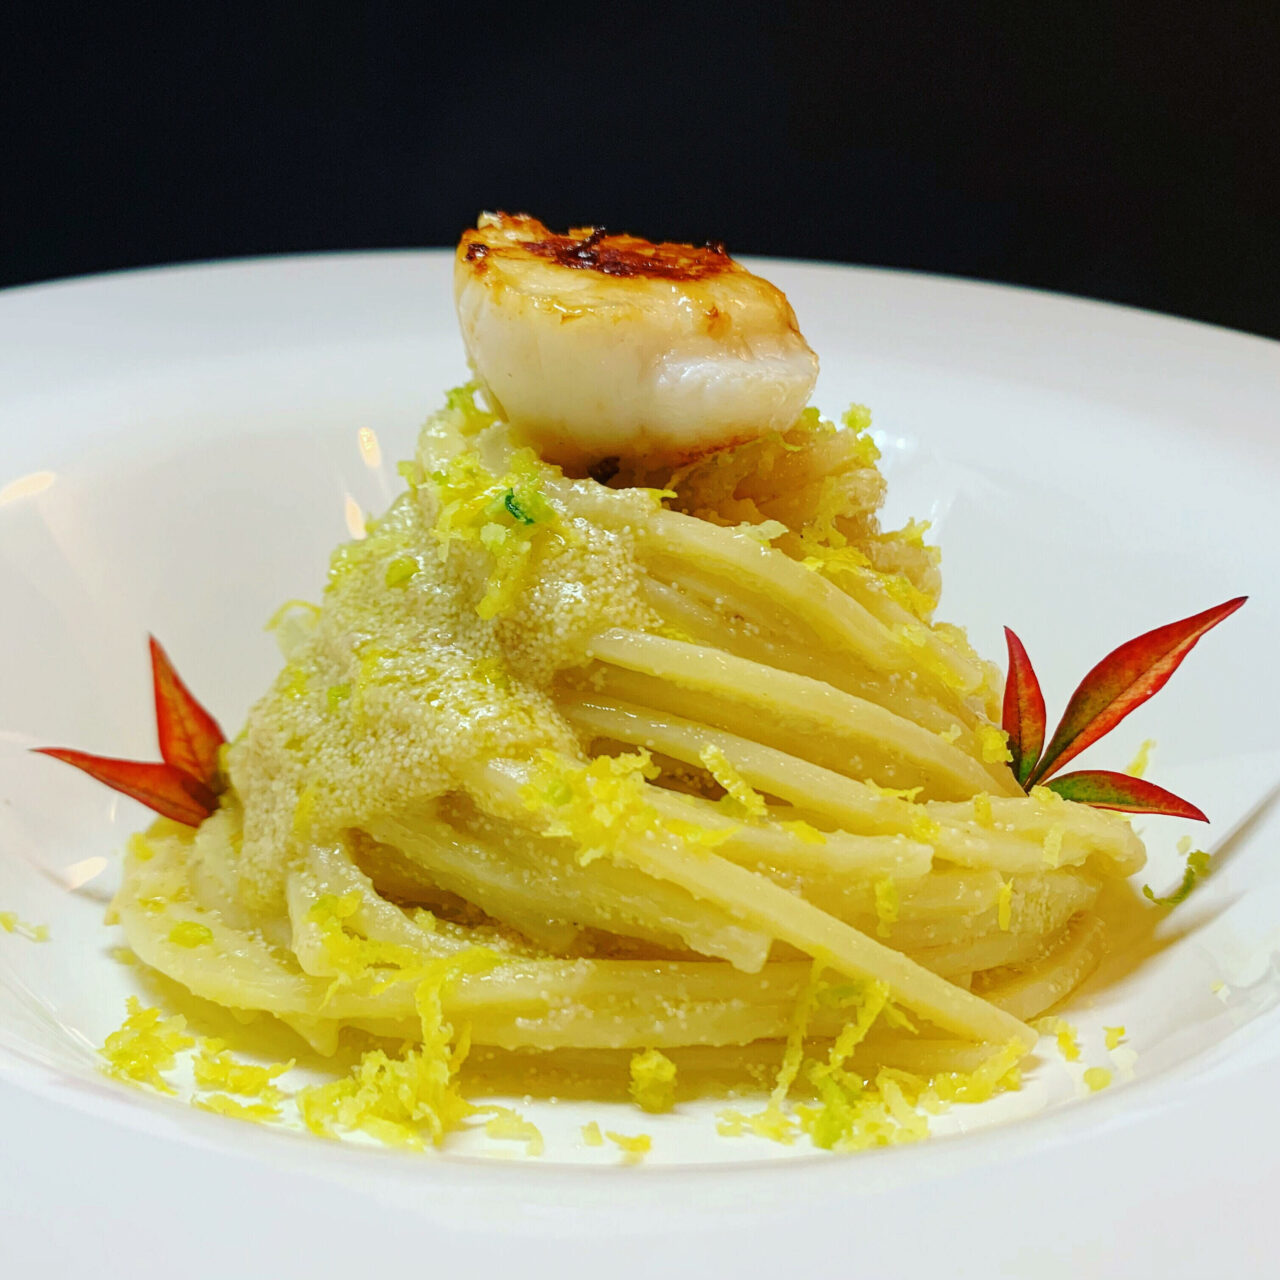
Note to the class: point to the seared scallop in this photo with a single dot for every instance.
(597, 346)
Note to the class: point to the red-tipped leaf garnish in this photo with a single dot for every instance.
(186, 786)
(1024, 718)
(1119, 684)
(1104, 789)
(161, 787)
(1123, 681)
(189, 735)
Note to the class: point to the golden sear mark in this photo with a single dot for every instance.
(594, 249)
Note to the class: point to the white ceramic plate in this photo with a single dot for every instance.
(180, 449)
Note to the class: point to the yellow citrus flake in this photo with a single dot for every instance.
(213, 1067)
(951, 735)
(255, 1112)
(511, 1126)
(924, 828)
(1053, 845)
(304, 811)
(591, 1135)
(401, 571)
(1184, 845)
(895, 793)
(140, 847)
(1198, 863)
(653, 1081)
(190, 933)
(737, 789)
(994, 744)
(123, 955)
(1065, 1034)
(634, 1148)
(997, 1073)
(1004, 905)
(1137, 767)
(1097, 1078)
(803, 831)
(1114, 1036)
(146, 1044)
(508, 517)
(397, 1100)
(982, 809)
(10, 923)
(886, 906)
(605, 802)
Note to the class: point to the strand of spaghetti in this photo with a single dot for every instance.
(757, 901)
(803, 701)
(701, 1070)
(526, 887)
(1013, 840)
(1073, 957)
(541, 1004)
(1037, 906)
(676, 604)
(834, 853)
(833, 615)
(830, 613)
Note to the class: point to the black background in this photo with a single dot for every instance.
(1124, 152)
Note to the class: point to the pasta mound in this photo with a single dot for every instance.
(667, 779)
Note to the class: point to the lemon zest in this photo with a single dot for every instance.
(11, 923)
(511, 1126)
(634, 1147)
(1004, 905)
(190, 933)
(1137, 767)
(144, 1045)
(653, 1081)
(737, 789)
(886, 894)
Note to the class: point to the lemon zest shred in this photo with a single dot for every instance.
(191, 934)
(1137, 767)
(634, 1147)
(591, 1134)
(1198, 864)
(886, 895)
(993, 743)
(510, 1126)
(982, 809)
(396, 1099)
(653, 1081)
(1114, 1036)
(1053, 845)
(802, 831)
(736, 787)
(11, 923)
(1097, 1077)
(1064, 1033)
(1004, 905)
(213, 1067)
(140, 847)
(254, 1112)
(144, 1045)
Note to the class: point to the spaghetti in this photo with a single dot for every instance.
(573, 769)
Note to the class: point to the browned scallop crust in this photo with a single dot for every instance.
(594, 249)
